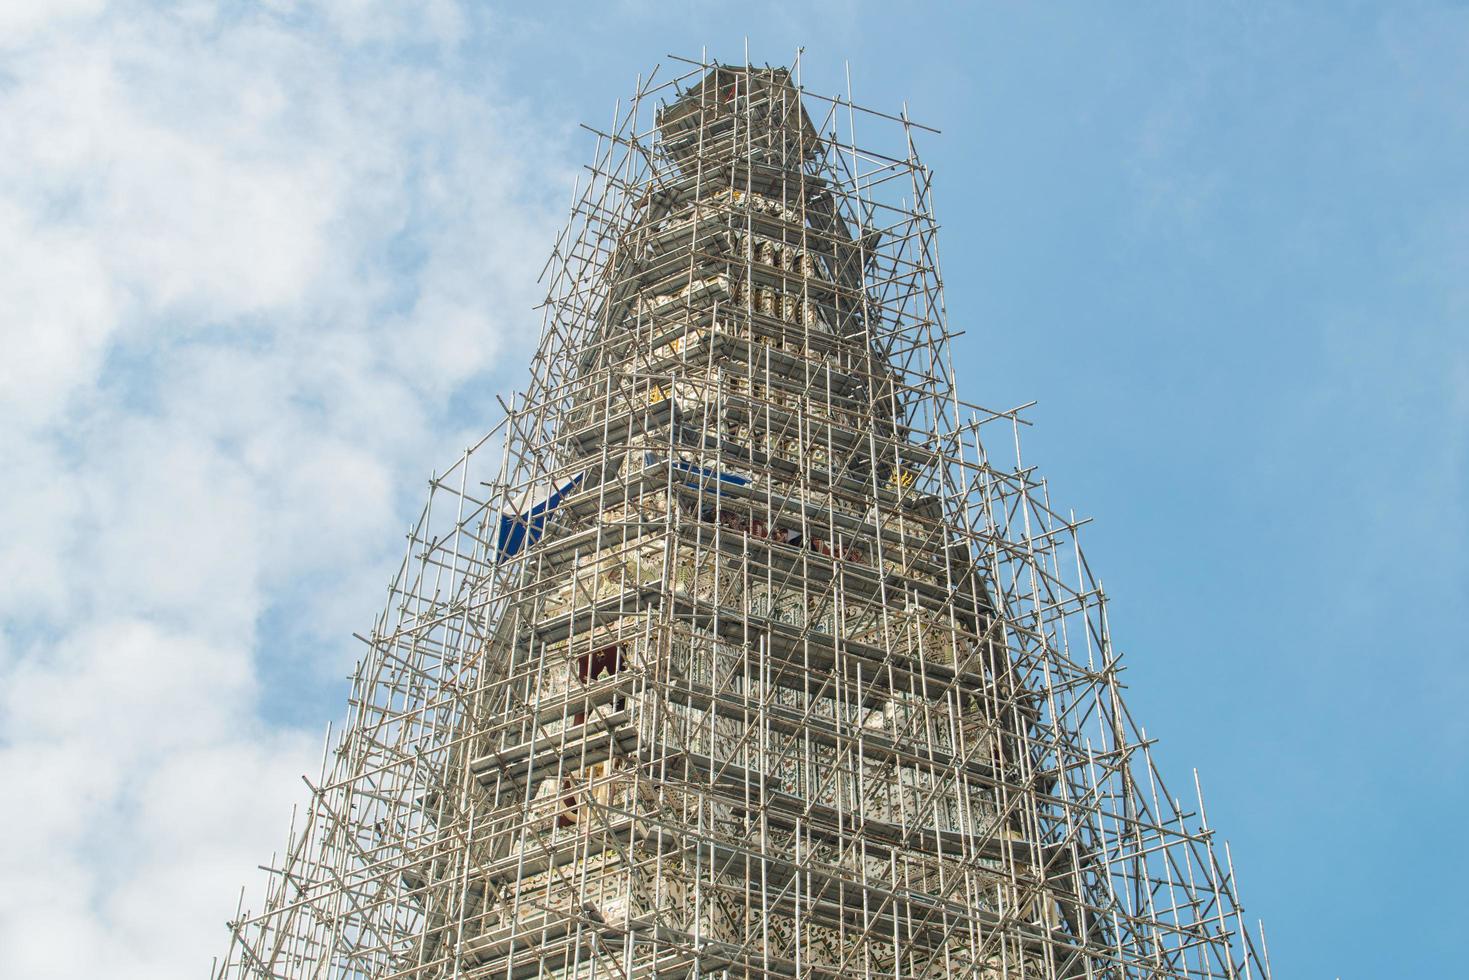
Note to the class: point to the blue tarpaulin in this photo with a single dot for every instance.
(523, 526)
(703, 473)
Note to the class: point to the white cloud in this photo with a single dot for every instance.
(249, 259)
(19, 22)
(60, 308)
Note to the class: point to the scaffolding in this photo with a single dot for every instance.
(741, 646)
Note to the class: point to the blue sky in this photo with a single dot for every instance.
(268, 267)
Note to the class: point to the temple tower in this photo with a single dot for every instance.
(741, 647)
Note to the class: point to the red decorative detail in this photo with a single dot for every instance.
(567, 816)
(598, 663)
